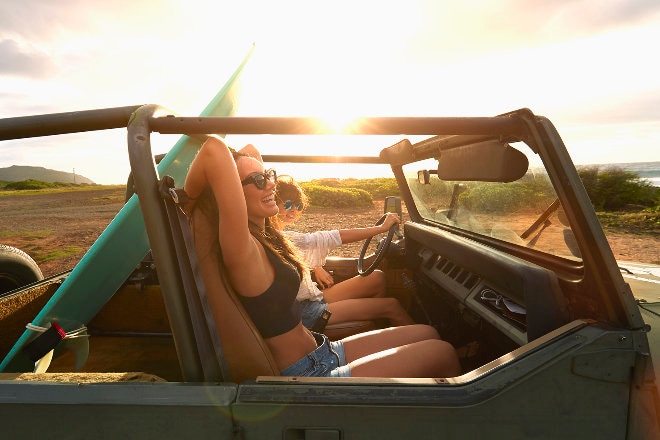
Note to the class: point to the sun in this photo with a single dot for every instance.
(339, 123)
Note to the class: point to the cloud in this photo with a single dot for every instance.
(640, 107)
(596, 16)
(40, 20)
(20, 61)
(474, 28)
(30, 31)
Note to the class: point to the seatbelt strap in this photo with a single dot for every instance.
(208, 340)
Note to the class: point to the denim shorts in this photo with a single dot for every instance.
(328, 360)
(311, 310)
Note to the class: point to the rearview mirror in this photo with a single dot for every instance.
(424, 176)
(490, 161)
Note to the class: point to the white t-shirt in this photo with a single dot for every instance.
(314, 248)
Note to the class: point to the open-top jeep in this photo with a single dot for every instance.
(500, 250)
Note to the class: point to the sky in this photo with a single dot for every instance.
(590, 66)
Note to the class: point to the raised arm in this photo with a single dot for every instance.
(251, 151)
(215, 166)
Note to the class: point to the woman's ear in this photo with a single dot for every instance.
(251, 151)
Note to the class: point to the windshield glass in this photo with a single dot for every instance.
(525, 212)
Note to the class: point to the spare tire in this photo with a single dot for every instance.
(17, 269)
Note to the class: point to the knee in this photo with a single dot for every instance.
(392, 304)
(450, 363)
(424, 332)
(377, 282)
(444, 358)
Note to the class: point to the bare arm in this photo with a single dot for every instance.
(357, 234)
(214, 166)
(252, 151)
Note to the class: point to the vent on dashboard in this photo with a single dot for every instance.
(449, 269)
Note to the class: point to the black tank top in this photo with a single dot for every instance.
(276, 310)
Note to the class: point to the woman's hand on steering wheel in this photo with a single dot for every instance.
(391, 220)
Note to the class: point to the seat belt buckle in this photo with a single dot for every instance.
(321, 321)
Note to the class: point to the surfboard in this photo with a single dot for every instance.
(120, 247)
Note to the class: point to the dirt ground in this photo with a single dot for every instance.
(57, 229)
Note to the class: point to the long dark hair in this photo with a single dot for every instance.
(270, 237)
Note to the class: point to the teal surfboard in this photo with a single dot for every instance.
(120, 248)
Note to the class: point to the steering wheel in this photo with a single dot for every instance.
(381, 250)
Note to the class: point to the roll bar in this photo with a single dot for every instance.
(62, 123)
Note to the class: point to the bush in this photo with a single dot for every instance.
(329, 182)
(28, 184)
(33, 184)
(346, 193)
(379, 187)
(326, 196)
(613, 189)
(645, 221)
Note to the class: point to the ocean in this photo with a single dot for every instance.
(646, 170)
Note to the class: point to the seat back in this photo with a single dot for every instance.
(208, 349)
(245, 352)
(228, 344)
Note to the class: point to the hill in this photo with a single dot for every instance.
(16, 173)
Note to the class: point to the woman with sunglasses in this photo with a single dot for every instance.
(236, 194)
(354, 299)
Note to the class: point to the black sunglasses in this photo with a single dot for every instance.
(289, 205)
(260, 179)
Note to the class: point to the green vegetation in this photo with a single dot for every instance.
(530, 191)
(622, 200)
(40, 257)
(38, 185)
(645, 221)
(486, 197)
(324, 196)
(614, 189)
(30, 186)
(347, 193)
(378, 188)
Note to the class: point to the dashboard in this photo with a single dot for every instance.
(518, 299)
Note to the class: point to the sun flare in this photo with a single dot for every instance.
(339, 123)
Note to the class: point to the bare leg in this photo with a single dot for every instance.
(429, 358)
(368, 309)
(410, 351)
(364, 344)
(370, 286)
